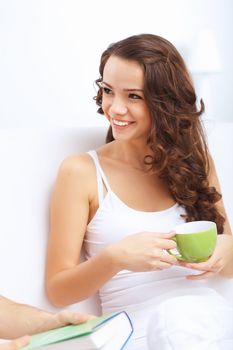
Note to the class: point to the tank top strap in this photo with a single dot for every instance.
(101, 178)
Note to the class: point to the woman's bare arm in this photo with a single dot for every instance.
(68, 280)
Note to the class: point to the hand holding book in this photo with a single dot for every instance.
(109, 332)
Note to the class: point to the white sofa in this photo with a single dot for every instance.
(29, 163)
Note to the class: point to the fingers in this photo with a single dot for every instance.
(162, 256)
(165, 235)
(66, 317)
(162, 265)
(211, 266)
(80, 317)
(170, 259)
(20, 342)
(144, 251)
(201, 276)
(164, 240)
(165, 243)
(16, 344)
(163, 260)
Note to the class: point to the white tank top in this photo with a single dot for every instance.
(136, 292)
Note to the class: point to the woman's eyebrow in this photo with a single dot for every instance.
(132, 89)
(140, 90)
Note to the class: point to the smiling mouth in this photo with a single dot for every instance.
(121, 123)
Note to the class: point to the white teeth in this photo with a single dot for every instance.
(120, 123)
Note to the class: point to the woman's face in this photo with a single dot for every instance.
(123, 100)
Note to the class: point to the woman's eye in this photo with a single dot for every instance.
(106, 90)
(135, 97)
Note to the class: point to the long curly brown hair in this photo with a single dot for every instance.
(177, 139)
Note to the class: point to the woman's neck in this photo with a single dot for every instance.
(131, 153)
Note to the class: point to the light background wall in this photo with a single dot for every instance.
(50, 50)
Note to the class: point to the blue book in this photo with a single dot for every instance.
(108, 332)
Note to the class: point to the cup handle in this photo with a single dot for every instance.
(174, 252)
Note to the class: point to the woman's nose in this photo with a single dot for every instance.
(118, 107)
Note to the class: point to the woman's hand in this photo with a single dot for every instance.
(65, 317)
(221, 262)
(144, 251)
(15, 344)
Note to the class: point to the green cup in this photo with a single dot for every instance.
(196, 241)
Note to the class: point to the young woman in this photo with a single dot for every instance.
(123, 200)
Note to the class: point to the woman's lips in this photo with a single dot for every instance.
(121, 124)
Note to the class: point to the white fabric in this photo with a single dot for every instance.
(203, 322)
(137, 293)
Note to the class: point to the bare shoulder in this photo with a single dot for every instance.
(76, 164)
(77, 172)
